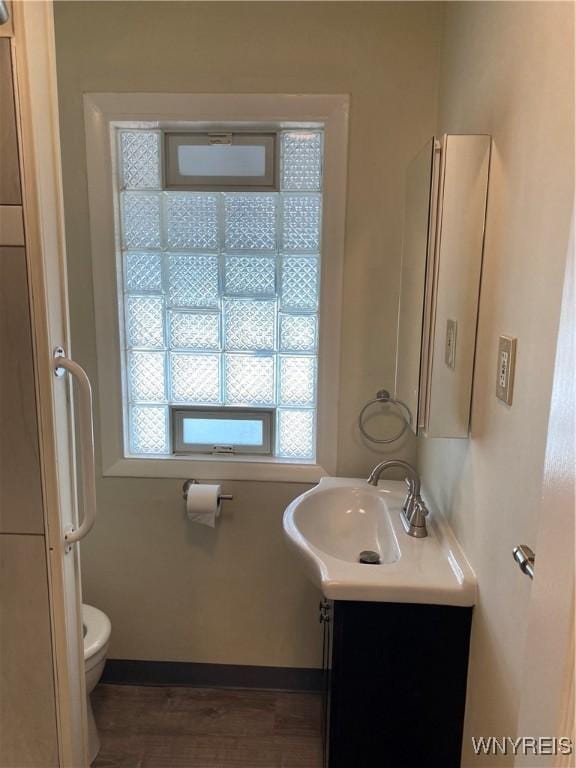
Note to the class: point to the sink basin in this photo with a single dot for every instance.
(329, 527)
(342, 522)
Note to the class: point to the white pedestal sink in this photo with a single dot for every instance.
(328, 527)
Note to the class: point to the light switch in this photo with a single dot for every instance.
(505, 369)
(450, 348)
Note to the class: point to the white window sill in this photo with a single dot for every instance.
(218, 468)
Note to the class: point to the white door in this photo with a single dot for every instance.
(547, 703)
(34, 56)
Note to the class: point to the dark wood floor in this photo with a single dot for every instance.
(145, 727)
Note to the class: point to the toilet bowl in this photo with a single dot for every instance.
(96, 627)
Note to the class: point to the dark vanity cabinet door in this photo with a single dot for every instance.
(397, 685)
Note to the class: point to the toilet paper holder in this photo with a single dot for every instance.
(188, 483)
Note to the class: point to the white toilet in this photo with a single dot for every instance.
(97, 629)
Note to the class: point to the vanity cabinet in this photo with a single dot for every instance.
(395, 684)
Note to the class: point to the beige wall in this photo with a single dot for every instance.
(236, 596)
(507, 70)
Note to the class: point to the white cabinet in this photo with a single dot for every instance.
(28, 732)
(445, 212)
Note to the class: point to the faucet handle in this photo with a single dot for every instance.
(409, 500)
(414, 517)
(422, 505)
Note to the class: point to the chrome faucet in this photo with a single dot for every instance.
(414, 511)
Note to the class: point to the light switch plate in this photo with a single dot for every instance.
(450, 348)
(505, 368)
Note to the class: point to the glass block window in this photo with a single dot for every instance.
(219, 296)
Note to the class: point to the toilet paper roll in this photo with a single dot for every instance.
(203, 504)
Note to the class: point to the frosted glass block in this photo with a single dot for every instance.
(143, 272)
(249, 325)
(141, 220)
(193, 281)
(298, 333)
(148, 427)
(301, 222)
(249, 380)
(300, 283)
(140, 159)
(250, 276)
(297, 381)
(147, 377)
(145, 321)
(195, 379)
(194, 330)
(250, 222)
(295, 434)
(191, 220)
(302, 161)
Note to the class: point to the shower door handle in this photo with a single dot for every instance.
(61, 364)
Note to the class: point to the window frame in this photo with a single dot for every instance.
(179, 412)
(103, 114)
(173, 181)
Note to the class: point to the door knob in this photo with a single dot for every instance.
(525, 558)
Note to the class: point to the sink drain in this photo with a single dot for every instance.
(368, 557)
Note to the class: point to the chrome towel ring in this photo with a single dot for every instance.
(384, 397)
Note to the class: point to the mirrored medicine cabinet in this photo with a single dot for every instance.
(444, 217)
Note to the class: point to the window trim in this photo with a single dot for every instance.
(103, 111)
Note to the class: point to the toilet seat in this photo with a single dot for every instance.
(97, 631)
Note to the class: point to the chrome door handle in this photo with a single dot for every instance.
(525, 558)
(61, 364)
